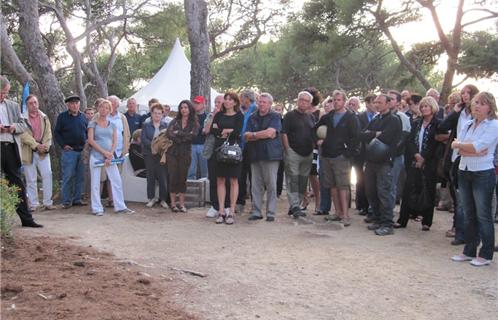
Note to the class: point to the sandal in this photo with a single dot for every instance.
(229, 219)
(220, 219)
(175, 209)
(183, 209)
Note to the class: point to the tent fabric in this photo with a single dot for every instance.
(171, 84)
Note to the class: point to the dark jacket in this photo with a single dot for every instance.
(182, 137)
(265, 149)
(147, 136)
(342, 139)
(71, 130)
(429, 145)
(390, 127)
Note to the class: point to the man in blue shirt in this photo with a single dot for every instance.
(198, 143)
(247, 107)
(70, 135)
(265, 152)
(134, 119)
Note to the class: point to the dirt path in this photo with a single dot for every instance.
(290, 270)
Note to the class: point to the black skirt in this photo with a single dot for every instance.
(228, 170)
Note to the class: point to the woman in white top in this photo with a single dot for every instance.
(102, 137)
(477, 179)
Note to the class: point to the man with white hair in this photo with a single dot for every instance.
(353, 104)
(133, 118)
(121, 123)
(265, 152)
(297, 140)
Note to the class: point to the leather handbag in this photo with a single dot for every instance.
(229, 153)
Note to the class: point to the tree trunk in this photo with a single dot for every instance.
(11, 61)
(200, 75)
(29, 30)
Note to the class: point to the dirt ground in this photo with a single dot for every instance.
(287, 269)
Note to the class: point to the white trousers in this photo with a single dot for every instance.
(116, 186)
(31, 174)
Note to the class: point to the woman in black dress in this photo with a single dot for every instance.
(423, 165)
(227, 124)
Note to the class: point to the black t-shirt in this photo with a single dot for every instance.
(299, 127)
(222, 121)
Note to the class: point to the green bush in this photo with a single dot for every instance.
(8, 203)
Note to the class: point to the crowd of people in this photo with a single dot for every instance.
(402, 147)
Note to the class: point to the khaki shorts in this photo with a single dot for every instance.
(336, 172)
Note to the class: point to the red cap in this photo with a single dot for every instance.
(199, 99)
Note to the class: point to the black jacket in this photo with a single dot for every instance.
(389, 125)
(429, 144)
(342, 139)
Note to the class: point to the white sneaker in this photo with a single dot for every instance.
(126, 211)
(212, 213)
(479, 262)
(461, 258)
(151, 203)
(99, 214)
(164, 204)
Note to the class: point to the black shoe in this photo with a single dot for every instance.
(398, 225)
(384, 231)
(270, 218)
(66, 205)
(298, 213)
(79, 203)
(369, 219)
(363, 212)
(321, 213)
(457, 242)
(289, 212)
(253, 218)
(32, 224)
(373, 226)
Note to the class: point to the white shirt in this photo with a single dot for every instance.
(461, 125)
(4, 120)
(421, 138)
(116, 120)
(485, 136)
(405, 121)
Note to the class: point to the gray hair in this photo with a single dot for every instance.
(266, 95)
(433, 91)
(4, 82)
(247, 93)
(341, 93)
(114, 98)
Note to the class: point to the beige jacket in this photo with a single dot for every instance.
(29, 143)
(18, 121)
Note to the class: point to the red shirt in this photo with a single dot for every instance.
(35, 123)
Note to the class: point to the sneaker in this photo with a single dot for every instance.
(479, 262)
(346, 222)
(126, 211)
(50, 207)
(332, 217)
(66, 205)
(461, 258)
(229, 219)
(220, 219)
(373, 226)
(384, 231)
(99, 214)
(151, 203)
(164, 204)
(212, 213)
(298, 213)
(182, 209)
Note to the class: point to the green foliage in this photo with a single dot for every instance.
(479, 57)
(8, 203)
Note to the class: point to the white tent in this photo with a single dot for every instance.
(171, 84)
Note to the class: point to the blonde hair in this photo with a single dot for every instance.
(488, 99)
(431, 102)
(105, 102)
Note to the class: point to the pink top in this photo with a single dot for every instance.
(35, 123)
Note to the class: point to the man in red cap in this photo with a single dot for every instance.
(198, 144)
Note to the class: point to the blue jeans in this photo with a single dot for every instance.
(476, 192)
(197, 160)
(459, 218)
(72, 176)
(398, 165)
(325, 201)
(378, 179)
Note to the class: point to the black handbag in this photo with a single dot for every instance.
(229, 153)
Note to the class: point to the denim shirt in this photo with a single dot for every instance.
(484, 137)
